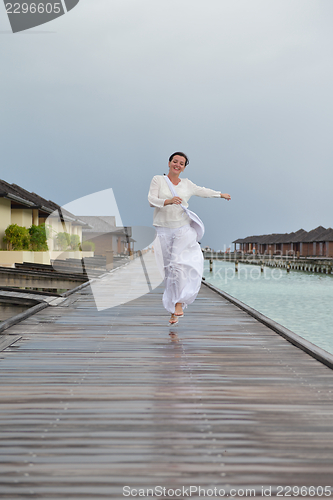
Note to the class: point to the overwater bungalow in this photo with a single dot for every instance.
(315, 243)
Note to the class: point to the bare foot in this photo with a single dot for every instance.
(173, 320)
(179, 310)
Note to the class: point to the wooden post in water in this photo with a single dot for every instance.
(288, 267)
(210, 265)
(236, 266)
(262, 266)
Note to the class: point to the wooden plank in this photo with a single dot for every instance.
(4, 325)
(93, 401)
(307, 346)
(8, 340)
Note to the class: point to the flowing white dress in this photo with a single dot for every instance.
(181, 255)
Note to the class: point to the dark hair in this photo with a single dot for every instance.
(179, 153)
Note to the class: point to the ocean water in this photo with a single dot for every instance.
(300, 301)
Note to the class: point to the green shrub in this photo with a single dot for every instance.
(75, 242)
(38, 238)
(88, 246)
(35, 239)
(63, 241)
(17, 237)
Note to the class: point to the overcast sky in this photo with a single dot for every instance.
(100, 97)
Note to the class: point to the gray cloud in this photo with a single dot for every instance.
(244, 87)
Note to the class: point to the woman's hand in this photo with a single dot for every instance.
(226, 196)
(173, 201)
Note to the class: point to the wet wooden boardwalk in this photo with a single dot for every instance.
(92, 401)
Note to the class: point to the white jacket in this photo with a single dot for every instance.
(173, 215)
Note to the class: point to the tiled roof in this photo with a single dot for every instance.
(300, 236)
(23, 196)
(9, 190)
(326, 235)
(38, 200)
(313, 234)
(97, 224)
(33, 200)
(273, 238)
(103, 224)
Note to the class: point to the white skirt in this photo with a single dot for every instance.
(182, 260)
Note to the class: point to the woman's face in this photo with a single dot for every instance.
(177, 164)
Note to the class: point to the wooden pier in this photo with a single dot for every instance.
(323, 266)
(39, 279)
(308, 264)
(92, 401)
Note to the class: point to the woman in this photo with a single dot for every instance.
(182, 256)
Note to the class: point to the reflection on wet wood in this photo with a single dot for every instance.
(91, 402)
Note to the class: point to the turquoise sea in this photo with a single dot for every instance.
(300, 301)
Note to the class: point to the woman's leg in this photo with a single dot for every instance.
(173, 319)
(190, 265)
(185, 270)
(183, 267)
(166, 239)
(179, 309)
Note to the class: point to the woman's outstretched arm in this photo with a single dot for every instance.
(208, 193)
(226, 196)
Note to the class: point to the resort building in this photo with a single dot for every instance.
(106, 236)
(315, 243)
(19, 206)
